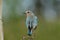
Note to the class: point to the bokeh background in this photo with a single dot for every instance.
(47, 11)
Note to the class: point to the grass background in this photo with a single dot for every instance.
(15, 28)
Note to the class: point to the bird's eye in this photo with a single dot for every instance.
(28, 12)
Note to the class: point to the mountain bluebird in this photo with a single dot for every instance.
(31, 21)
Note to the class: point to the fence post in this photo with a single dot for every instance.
(1, 27)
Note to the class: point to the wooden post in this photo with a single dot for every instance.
(1, 27)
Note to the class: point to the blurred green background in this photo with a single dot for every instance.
(48, 21)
